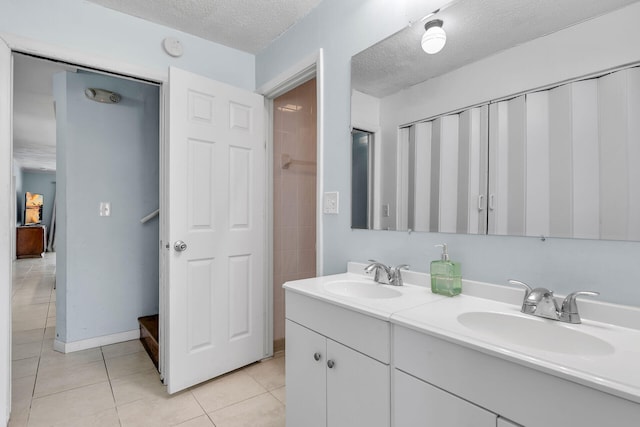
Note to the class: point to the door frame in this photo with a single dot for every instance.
(299, 73)
(18, 44)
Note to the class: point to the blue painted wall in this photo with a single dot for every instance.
(342, 29)
(109, 306)
(87, 27)
(107, 267)
(42, 183)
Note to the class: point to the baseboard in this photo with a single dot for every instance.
(70, 347)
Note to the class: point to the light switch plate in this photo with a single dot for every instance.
(330, 202)
(105, 209)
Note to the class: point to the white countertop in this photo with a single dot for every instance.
(412, 295)
(617, 373)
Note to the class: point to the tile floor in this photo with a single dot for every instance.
(117, 385)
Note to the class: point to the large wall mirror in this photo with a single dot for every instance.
(527, 123)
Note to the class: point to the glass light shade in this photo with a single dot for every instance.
(433, 40)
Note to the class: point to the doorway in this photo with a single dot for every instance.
(294, 194)
(107, 177)
(248, 113)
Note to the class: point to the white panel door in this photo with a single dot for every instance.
(216, 207)
(6, 169)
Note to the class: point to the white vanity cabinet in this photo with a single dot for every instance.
(473, 383)
(337, 366)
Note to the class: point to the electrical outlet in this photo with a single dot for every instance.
(330, 202)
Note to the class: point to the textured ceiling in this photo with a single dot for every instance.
(247, 25)
(475, 29)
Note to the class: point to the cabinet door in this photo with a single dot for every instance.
(306, 377)
(418, 403)
(358, 389)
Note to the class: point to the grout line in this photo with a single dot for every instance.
(21, 280)
(113, 395)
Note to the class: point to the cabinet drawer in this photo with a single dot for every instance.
(366, 334)
(420, 404)
(505, 387)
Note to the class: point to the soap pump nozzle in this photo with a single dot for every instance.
(445, 254)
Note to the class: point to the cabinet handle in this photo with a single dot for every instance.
(330, 364)
(317, 356)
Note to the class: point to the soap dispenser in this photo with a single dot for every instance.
(446, 276)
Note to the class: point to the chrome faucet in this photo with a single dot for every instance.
(386, 275)
(395, 278)
(379, 267)
(541, 302)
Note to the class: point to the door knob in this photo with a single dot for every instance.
(317, 356)
(330, 363)
(180, 246)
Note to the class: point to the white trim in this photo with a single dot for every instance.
(295, 75)
(70, 347)
(320, 161)
(91, 60)
(376, 194)
(163, 293)
(76, 57)
(303, 71)
(268, 200)
(6, 177)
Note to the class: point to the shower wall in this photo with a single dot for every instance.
(294, 193)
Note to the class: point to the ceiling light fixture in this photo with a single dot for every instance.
(102, 95)
(434, 38)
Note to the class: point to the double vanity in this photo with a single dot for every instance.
(365, 354)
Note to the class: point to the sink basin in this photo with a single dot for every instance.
(360, 289)
(537, 333)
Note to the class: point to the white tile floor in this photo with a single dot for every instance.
(117, 385)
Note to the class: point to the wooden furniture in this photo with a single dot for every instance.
(149, 336)
(30, 241)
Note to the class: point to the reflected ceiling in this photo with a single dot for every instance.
(475, 29)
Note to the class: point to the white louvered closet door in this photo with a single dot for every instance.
(507, 167)
(422, 187)
(564, 160)
(619, 131)
(447, 178)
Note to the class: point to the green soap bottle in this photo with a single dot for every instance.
(446, 275)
